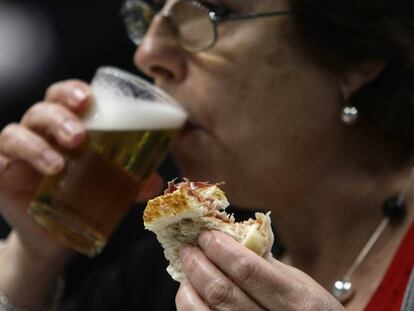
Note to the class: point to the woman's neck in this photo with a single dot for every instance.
(371, 271)
(324, 231)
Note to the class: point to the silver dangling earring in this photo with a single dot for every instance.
(349, 113)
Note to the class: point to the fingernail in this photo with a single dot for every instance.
(79, 95)
(52, 161)
(72, 128)
(204, 239)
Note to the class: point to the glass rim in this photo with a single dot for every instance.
(130, 77)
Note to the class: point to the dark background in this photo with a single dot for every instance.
(72, 37)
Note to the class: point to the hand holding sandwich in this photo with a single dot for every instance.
(224, 275)
(223, 264)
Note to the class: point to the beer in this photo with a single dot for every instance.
(126, 141)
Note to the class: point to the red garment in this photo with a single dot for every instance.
(390, 293)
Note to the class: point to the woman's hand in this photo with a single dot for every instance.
(224, 275)
(28, 152)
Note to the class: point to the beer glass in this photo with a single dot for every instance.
(129, 129)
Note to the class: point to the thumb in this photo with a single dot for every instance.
(151, 188)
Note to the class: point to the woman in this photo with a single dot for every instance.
(303, 107)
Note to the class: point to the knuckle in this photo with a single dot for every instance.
(245, 270)
(215, 246)
(9, 130)
(180, 302)
(52, 90)
(218, 292)
(72, 93)
(13, 140)
(58, 89)
(76, 83)
(300, 299)
(15, 137)
(46, 116)
(32, 111)
(69, 86)
(37, 108)
(190, 265)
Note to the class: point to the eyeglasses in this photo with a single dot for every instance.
(194, 22)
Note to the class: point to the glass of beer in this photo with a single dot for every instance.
(129, 129)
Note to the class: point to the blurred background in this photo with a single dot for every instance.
(44, 41)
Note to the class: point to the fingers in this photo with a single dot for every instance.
(57, 118)
(218, 291)
(260, 279)
(272, 285)
(74, 94)
(17, 142)
(59, 113)
(187, 299)
(57, 121)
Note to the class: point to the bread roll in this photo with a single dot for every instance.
(188, 208)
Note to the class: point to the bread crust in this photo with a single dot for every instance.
(186, 209)
(167, 205)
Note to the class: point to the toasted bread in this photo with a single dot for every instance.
(188, 208)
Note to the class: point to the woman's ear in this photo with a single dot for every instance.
(355, 78)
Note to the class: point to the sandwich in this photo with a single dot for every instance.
(188, 208)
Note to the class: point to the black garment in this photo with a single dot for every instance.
(129, 275)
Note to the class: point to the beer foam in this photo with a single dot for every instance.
(115, 111)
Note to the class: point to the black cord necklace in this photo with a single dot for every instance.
(394, 210)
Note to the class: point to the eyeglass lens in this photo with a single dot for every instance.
(194, 28)
(137, 17)
(190, 20)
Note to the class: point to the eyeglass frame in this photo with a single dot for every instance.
(215, 19)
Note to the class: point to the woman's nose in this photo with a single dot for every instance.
(159, 55)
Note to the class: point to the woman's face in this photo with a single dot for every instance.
(262, 111)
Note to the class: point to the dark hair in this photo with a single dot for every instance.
(344, 33)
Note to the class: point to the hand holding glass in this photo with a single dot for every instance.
(129, 130)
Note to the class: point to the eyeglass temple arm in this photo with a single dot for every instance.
(216, 18)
